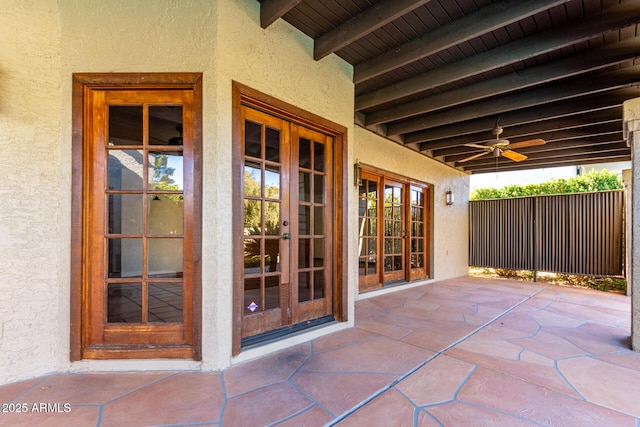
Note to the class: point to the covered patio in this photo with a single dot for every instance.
(466, 351)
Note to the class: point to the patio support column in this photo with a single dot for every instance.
(631, 116)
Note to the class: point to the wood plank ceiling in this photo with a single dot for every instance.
(435, 75)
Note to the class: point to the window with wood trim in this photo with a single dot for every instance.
(394, 230)
(137, 226)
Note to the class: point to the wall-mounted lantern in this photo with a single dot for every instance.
(357, 174)
(449, 197)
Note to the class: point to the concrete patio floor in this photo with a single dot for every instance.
(462, 352)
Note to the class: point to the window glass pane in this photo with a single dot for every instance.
(125, 213)
(362, 207)
(252, 215)
(304, 253)
(305, 153)
(372, 189)
(271, 292)
(252, 139)
(388, 263)
(397, 263)
(397, 246)
(373, 226)
(388, 246)
(125, 169)
(362, 189)
(252, 255)
(124, 303)
(318, 220)
(164, 257)
(124, 257)
(125, 125)
(272, 218)
(272, 182)
(165, 125)
(166, 214)
(304, 190)
(164, 302)
(165, 171)
(318, 188)
(252, 298)
(304, 286)
(318, 284)
(272, 255)
(318, 252)
(252, 179)
(304, 220)
(272, 145)
(318, 161)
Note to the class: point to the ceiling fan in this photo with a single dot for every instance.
(502, 147)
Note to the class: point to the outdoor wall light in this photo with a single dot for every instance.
(449, 197)
(357, 174)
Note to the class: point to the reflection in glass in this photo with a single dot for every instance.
(252, 254)
(304, 286)
(271, 218)
(318, 188)
(272, 255)
(165, 125)
(318, 220)
(305, 153)
(124, 257)
(318, 252)
(272, 145)
(318, 284)
(124, 303)
(252, 214)
(388, 263)
(166, 214)
(318, 161)
(388, 246)
(304, 220)
(252, 301)
(252, 139)
(164, 302)
(271, 292)
(272, 182)
(125, 125)
(165, 171)
(304, 253)
(397, 246)
(164, 257)
(124, 169)
(125, 214)
(252, 179)
(304, 187)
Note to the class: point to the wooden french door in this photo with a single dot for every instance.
(395, 233)
(287, 179)
(139, 224)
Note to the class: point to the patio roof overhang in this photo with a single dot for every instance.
(435, 75)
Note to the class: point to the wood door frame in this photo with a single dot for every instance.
(81, 84)
(244, 95)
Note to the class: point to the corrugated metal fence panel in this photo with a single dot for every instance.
(502, 233)
(567, 233)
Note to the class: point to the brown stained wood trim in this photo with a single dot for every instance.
(373, 170)
(139, 352)
(237, 211)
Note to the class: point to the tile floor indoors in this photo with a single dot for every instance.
(462, 352)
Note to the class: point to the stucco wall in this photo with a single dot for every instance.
(450, 223)
(43, 43)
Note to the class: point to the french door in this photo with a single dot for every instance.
(394, 231)
(286, 274)
(139, 224)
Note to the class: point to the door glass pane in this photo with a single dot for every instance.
(318, 252)
(125, 213)
(252, 179)
(125, 125)
(124, 169)
(318, 160)
(124, 257)
(164, 257)
(388, 263)
(304, 286)
(318, 220)
(165, 171)
(166, 214)
(272, 218)
(304, 220)
(164, 302)
(272, 145)
(318, 188)
(272, 182)
(271, 292)
(318, 284)
(304, 253)
(272, 255)
(305, 153)
(124, 303)
(304, 191)
(252, 255)
(165, 125)
(252, 215)
(252, 139)
(252, 300)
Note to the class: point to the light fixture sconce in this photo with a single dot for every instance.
(449, 197)
(357, 174)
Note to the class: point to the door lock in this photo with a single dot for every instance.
(286, 236)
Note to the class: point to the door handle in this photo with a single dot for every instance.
(286, 236)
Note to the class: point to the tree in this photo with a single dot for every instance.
(593, 181)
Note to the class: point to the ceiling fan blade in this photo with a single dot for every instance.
(529, 143)
(482, 147)
(475, 156)
(516, 157)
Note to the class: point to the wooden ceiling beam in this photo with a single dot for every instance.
(572, 66)
(271, 10)
(362, 24)
(574, 161)
(555, 38)
(563, 90)
(485, 20)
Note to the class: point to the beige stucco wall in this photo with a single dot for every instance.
(450, 223)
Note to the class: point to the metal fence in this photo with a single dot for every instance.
(578, 233)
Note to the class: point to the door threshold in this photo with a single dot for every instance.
(284, 332)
